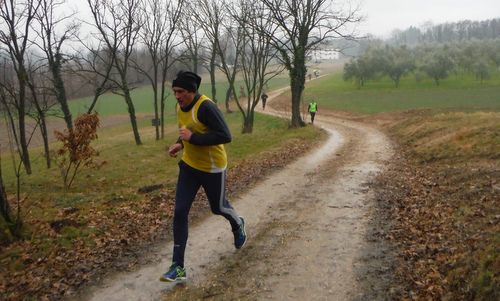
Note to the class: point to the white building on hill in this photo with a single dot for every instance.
(327, 54)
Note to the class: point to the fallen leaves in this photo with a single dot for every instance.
(112, 236)
(440, 226)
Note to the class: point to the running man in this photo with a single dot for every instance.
(264, 100)
(312, 109)
(202, 135)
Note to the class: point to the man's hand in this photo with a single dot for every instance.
(174, 149)
(185, 134)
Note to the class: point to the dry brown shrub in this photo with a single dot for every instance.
(76, 151)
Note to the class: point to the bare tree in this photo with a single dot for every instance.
(225, 39)
(8, 102)
(94, 65)
(159, 34)
(230, 48)
(193, 37)
(43, 100)
(209, 15)
(51, 45)
(16, 18)
(256, 55)
(300, 26)
(118, 23)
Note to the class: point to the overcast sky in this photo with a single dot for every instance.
(383, 16)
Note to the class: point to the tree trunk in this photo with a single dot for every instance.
(212, 80)
(195, 62)
(297, 80)
(131, 113)
(162, 111)
(212, 75)
(228, 98)
(25, 157)
(97, 93)
(230, 91)
(157, 115)
(61, 93)
(45, 137)
(42, 122)
(163, 98)
(4, 204)
(5, 211)
(248, 123)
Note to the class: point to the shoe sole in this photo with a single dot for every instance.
(163, 279)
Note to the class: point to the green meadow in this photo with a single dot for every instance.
(112, 104)
(459, 92)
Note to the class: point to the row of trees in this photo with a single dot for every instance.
(448, 32)
(133, 42)
(435, 60)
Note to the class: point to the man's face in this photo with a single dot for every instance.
(183, 96)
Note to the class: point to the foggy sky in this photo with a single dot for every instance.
(383, 16)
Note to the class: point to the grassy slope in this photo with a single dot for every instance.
(126, 167)
(444, 202)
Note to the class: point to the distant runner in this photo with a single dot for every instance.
(313, 108)
(264, 99)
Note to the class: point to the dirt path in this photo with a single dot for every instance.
(308, 229)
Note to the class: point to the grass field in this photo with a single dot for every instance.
(111, 104)
(150, 161)
(459, 92)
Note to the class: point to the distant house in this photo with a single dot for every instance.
(327, 54)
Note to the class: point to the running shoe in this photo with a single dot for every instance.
(240, 236)
(175, 272)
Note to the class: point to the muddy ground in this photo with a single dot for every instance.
(311, 229)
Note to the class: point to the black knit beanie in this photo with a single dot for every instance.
(187, 80)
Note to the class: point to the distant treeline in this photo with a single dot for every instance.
(447, 32)
(428, 33)
(435, 60)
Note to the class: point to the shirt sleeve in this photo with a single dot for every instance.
(218, 131)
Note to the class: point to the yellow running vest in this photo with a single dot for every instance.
(207, 158)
